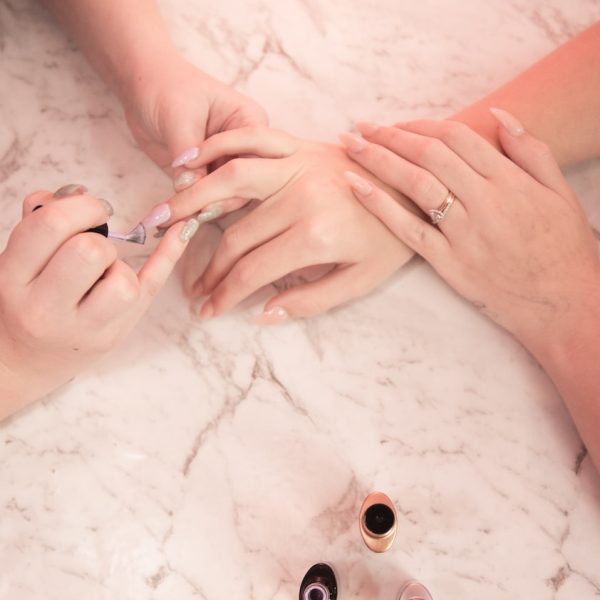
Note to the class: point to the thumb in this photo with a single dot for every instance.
(529, 153)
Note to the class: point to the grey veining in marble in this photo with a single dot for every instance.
(220, 460)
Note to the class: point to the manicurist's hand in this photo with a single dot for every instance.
(306, 217)
(65, 297)
(175, 106)
(514, 241)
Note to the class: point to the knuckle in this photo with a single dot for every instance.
(34, 322)
(421, 184)
(53, 219)
(541, 150)
(231, 239)
(453, 132)
(126, 289)
(417, 233)
(233, 168)
(317, 234)
(427, 150)
(243, 273)
(94, 249)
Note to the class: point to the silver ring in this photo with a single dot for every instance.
(439, 214)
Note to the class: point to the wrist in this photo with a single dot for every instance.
(143, 71)
(572, 332)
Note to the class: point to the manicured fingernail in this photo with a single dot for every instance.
(366, 128)
(160, 214)
(352, 142)
(358, 183)
(207, 310)
(186, 156)
(184, 180)
(72, 189)
(209, 214)
(273, 316)
(189, 230)
(508, 121)
(110, 211)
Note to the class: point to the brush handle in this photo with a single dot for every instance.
(101, 229)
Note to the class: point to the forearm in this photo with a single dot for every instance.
(571, 361)
(557, 100)
(123, 40)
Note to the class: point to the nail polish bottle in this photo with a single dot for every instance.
(319, 583)
(377, 522)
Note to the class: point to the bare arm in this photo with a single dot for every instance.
(124, 41)
(557, 100)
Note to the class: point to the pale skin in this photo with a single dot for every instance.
(65, 297)
(570, 80)
(516, 242)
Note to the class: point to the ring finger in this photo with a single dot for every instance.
(423, 188)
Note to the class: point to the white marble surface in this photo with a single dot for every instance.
(220, 460)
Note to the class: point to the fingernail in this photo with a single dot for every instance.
(207, 310)
(366, 128)
(189, 230)
(508, 121)
(358, 183)
(186, 156)
(273, 316)
(184, 180)
(352, 142)
(209, 213)
(110, 211)
(160, 214)
(72, 189)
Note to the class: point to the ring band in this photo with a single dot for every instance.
(438, 215)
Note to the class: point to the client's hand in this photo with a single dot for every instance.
(307, 217)
(65, 297)
(515, 241)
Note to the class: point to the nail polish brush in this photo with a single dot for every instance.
(136, 236)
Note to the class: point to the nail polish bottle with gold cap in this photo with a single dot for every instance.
(377, 522)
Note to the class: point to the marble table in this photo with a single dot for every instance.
(219, 459)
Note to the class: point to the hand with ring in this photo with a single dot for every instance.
(508, 233)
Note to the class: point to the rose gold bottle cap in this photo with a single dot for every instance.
(377, 522)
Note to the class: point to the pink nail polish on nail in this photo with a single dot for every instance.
(352, 142)
(186, 156)
(508, 121)
(157, 216)
(358, 183)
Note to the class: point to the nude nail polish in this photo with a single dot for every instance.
(352, 142)
(413, 590)
(189, 230)
(377, 522)
(366, 128)
(186, 156)
(508, 121)
(71, 189)
(157, 216)
(184, 180)
(358, 183)
(319, 583)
